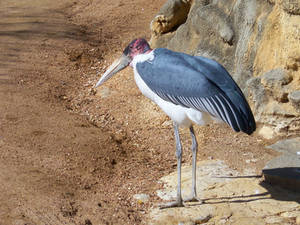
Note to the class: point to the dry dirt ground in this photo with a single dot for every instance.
(73, 155)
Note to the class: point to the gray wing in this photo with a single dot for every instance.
(199, 83)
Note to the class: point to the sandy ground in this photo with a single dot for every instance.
(72, 155)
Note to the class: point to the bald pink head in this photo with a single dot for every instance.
(136, 47)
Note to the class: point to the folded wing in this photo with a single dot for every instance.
(199, 83)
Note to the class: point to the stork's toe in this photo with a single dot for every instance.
(193, 199)
(173, 204)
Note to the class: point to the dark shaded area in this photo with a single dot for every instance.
(288, 177)
(281, 194)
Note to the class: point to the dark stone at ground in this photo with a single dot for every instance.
(288, 177)
(284, 170)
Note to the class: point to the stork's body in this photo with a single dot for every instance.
(183, 116)
(189, 89)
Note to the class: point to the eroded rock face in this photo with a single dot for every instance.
(257, 41)
(291, 6)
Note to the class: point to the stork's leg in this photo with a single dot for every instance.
(178, 202)
(193, 197)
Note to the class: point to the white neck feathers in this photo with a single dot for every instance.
(142, 58)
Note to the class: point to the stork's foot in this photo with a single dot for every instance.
(193, 199)
(171, 205)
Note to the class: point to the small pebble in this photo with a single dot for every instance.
(141, 198)
(203, 219)
(87, 222)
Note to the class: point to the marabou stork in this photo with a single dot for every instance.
(189, 89)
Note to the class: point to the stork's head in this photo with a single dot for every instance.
(136, 47)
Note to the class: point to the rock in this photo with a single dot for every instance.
(92, 91)
(274, 219)
(103, 92)
(212, 15)
(88, 222)
(236, 198)
(293, 63)
(291, 214)
(266, 132)
(172, 14)
(276, 117)
(287, 177)
(167, 123)
(290, 146)
(274, 82)
(166, 195)
(74, 54)
(251, 160)
(203, 219)
(294, 98)
(284, 170)
(273, 108)
(291, 6)
(256, 41)
(257, 94)
(182, 215)
(141, 198)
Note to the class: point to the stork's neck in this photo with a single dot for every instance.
(147, 56)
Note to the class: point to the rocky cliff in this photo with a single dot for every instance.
(258, 41)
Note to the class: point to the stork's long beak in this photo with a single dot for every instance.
(117, 66)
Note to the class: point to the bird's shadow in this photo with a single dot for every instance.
(235, 199)
(281, 194)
